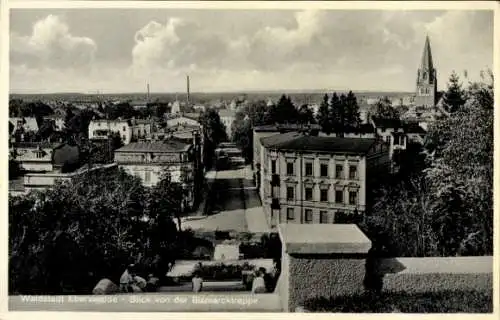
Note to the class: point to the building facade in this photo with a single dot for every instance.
(152, 161)
(102, 129)
(310, 179)
(44, 156)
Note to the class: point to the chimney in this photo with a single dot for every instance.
(187, 85)
(147, 94)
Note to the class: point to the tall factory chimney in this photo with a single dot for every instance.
(187, 84)
(148, 96)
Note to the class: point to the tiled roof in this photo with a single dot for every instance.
(413, 127)
(387, 123)
(170, 145)
(285, 127)
(33, 145)
(297, 141)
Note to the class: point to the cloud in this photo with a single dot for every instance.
(51, 45)
(177, 44)
(377, 50)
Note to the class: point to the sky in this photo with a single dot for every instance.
(120, 50)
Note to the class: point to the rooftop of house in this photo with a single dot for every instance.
(166, 146)
(323, 239)
(387, 123)
(303, 142)
(192, 115)
(285, 127)
(414, 127)
(227, 113)
(35, 145)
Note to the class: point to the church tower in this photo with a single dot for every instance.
(426, 79)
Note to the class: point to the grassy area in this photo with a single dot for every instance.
(428, 302)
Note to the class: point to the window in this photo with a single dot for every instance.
(147, 176)
(353, 197)
(339, 170)
(168, 176)
(309, 215)
(353, 172)
(309, 169)
(387, 138)
(275, 192)
(323, 217)
(339, 196)
(309, 194)
(324, 195)
(324, 170)
(290, 214)
(124, 128)
(290, 194)
(124, 138)
(273, 166)
(39, 154)
(289, 168)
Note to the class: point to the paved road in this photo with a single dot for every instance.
(237, 205)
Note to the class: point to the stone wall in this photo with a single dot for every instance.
(317, 276)
(330, 260)
(437, 274)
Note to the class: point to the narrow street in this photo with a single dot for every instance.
(236, 207)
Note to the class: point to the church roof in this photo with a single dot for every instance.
(426, 63)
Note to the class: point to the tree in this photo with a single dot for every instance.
(352, 119)
(305, 115)
(214, 132)
(385, 110)
(284, 111)
(454, 97)
(446, 207)
(96, 217)
(324, 116)
(461, 173)
(338, 107)
(255, 114)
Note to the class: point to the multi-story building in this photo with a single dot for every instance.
(129, 130)
(311, 179)
(25, 124)
(44, 156)
(141, 128)
(152, 161)
(46, 180)
(397, 133)
(104, 128)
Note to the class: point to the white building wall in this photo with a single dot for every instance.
(121, 127)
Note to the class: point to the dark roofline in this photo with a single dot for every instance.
(300, 142)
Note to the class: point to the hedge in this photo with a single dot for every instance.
(428, 302)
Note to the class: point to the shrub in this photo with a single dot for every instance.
(427, 302)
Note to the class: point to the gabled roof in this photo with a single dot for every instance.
(387, 123)
(301, 142)
(413, 127)
(167, 146)
(286, 127)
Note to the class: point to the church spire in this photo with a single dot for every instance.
(427, 56)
